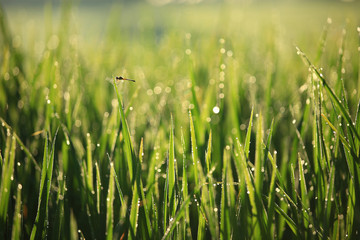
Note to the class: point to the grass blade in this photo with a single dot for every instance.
(16, 228)
(171, 172)
(89, 165)
(5, 188)
(109, 204)
(129, 151)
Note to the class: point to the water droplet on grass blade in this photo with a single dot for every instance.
(216, 109)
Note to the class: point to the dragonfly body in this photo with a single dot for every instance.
(121, 78)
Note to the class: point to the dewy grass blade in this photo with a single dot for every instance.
(350, 213)
(5, 188)
(40, 211)
(121, 196)
(21, 144)
(194, 152)
(16, 228)
(304, 193)
(98, 188)
(171, 172)
(248, 135)
(213, 217)
(147, 227)
(271, 199)
(109, 204)
(135, 201)
(57, 232)
(329, 202)
(342, 138)
(129, 151)
(89, 165)
(333, 96)
(39, 229)
(357, 127)
(225, 208)
(184, 187)
(259, 158)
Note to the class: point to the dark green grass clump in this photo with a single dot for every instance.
(229, 132)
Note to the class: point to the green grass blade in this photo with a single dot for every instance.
(147, 227)
(259, 158)
(194, 152)
(89, 166)
(59, 215)
(304, 193)
(287, 218)
(248, 136)
(333, 96)
(271, 199)
(121, 196)
(184, 190)
(40, 212)
(350, 213)
(16, 227)
(357, 127)
(225, 219)
(39, 230)
(134, 213)
(171, 172)
(109, 204)
(329, 202)
(129, 151)
(98, 188)
(5, 188)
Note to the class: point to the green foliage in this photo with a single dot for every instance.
(224, 135)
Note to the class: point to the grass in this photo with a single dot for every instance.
(243, 122)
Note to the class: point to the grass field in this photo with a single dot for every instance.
(243, 122)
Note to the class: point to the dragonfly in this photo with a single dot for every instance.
(120, 78)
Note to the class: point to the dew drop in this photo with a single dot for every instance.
(216, 109)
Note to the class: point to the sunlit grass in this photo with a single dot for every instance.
(243, 122)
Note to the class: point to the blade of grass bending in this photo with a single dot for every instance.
(5, 188)
(342, 138)
(121, 196)
(288, 219)
(16, 227)
(25, 149)
(129, 151)
(109, 204)
(39, 230)
(333, 96)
